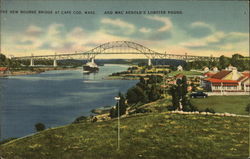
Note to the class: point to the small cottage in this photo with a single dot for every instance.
(205, 69)
(215, 69)
(179, 68)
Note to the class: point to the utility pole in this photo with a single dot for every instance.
(118, 122)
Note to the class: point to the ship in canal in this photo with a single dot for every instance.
(90, 67)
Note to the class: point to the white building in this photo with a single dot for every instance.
(179, 68)
(215, 69)
(228, 81)
(206, 69)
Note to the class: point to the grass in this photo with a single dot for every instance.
(151, 135)
(186, 73)
(157, 106)
(221, 104)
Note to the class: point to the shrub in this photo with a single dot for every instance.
(94, 119)
(171, 108)
(248, 108)
(142, 110)
(40, 127)
(210, 110)
(80, 119)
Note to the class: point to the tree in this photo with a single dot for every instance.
(223, 62)
(175, 97)
(40, 127)
(179, 96)
(248, 108)
(184, 86)
(136, 94)
(2, 58)
(187, 66)
(80, 119)
(235, 61)
(153, 94)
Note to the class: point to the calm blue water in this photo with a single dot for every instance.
(55, 98)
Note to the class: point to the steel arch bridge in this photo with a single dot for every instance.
(116, 47)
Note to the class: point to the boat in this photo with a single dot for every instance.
(90, 67)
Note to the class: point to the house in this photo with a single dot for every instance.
(230, 68)
(4, 70)
(215, 69)
(205, 69)
(228, 81)
(179, 68)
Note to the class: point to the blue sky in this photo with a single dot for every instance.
(203, 28)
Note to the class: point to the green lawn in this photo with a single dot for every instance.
(152, 135)
(187, 73)
(229, 104)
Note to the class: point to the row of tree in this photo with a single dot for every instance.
(236, 60)
(146, 90)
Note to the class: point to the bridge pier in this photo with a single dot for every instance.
(32, 62)
(92, 60)
(149, 62)
(55, 63)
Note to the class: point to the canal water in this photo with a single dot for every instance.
(55, 98)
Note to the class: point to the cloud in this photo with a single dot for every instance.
(33, 30)
(25, 42)
(237, 36)
(77, 33)
(232, 41)
(201, 42)
(55, 29)
(166, 21)
(200, 24)
(145, 30)
(118, 23)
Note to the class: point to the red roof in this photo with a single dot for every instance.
(225, 84)
(246, 74)
(214, 80)
(221, 74)
(208, 74)
(3, 68)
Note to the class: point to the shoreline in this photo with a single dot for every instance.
(36, 71)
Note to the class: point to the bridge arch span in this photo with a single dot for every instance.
(119, 44)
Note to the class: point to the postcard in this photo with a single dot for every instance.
(107, 79)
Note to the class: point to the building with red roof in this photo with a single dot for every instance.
(209, 74)
(228, 81)
(4, 70)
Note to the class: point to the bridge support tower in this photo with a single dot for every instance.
(149, 62)
(32, 61)
(55, 62)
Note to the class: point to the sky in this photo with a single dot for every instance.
(204, 27)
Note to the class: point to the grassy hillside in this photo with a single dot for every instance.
(187, 73)
(230, 104)
(152, 135)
